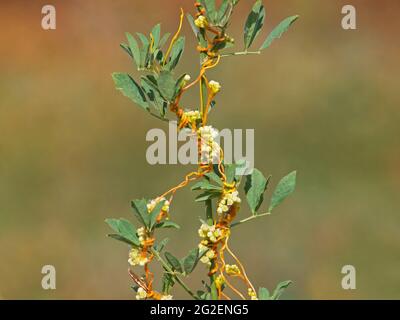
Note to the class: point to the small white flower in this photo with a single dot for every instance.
(214, 86)
(205, 260)
(187, 78)
(141, 294)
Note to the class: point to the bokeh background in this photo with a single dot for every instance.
(322, 100)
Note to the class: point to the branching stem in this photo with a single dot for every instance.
(174, 275)
(250, 219)
(242, 53)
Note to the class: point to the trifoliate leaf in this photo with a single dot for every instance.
(129, 88)
(256, 184)
(284, 188)
(254, 23)
(278, 31)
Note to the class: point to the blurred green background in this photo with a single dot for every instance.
(322, 100)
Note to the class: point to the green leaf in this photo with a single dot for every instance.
(144, 52)
(164, 39)
(263, 294)
(284, 188)
(133, 45)
(124, 229)
(254, 23)
(156, 33)
(155, 213)
(179, 85)
(167, 283)
(230, 170)
(205, 185)
(154, 96)
(161, 245)
(176, 54)
(211, 11)
(256, 184)
(214, 177)
(166, 84)
(224, 12)
(126, 48)
(207, 196)
(167, 224)
(114, 224)
(202, 295)
(141, 212)
(174, 262)
(190, 261)
(122, 239)
(195, 30)
(130, 89)
(280, 289)
(279, 31)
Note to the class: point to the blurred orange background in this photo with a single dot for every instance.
(322, 100)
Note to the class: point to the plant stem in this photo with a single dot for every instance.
(250, 218)
(242, 53)
(168, 269)
(210, 221)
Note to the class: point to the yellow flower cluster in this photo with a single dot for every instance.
(232, 270)
(227, 201)
(201, 22)
(210, 234)
(137, 258)
(192, 115)
(210, 150)
(214, 86)
(252, 294)
(151, 205)
(208, 256)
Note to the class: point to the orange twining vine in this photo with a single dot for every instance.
(216, 178)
